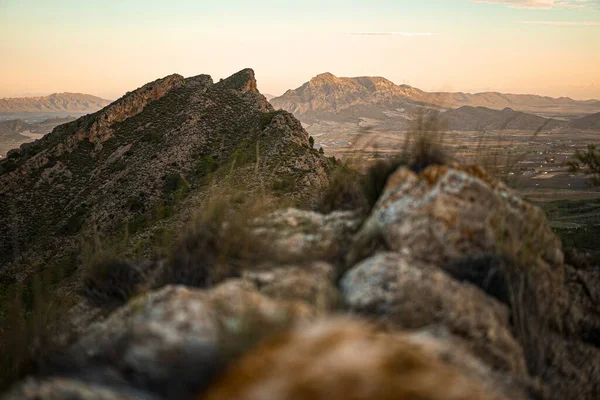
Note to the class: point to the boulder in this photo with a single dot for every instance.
(302, 236)
(313, 284)
(412, 294)
(345, 359)
(446, 214)
(66, 388)
(171, 342)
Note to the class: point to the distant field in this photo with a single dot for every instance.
(577, 223)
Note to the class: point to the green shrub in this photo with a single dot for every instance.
(118, 166)
(76, 220)
(284, 185)
(136, 203)
(8, 165)
(266, 118)
(587, 161)
(206, 166)
(173, 183)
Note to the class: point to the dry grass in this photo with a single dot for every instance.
(423, 146)
(32, 327)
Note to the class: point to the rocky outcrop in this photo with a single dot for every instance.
(446, 214)
(127, 107)
(410, 294)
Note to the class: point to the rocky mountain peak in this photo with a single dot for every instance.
(128, 106)
(326, 76)
(243, 81)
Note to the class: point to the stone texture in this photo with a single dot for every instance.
(313, 284)
(342, 359)
(297, 235)
(166, 344)
(411, 294)
(65, 388)
(445, 214)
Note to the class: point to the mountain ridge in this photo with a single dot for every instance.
(329, 93)
(55, 102)
(147, 155)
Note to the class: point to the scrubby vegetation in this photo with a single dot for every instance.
(33, 327)
(350, 190)
(219, 243)
(588, 162)
(112, 281)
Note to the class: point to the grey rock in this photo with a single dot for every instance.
(297, 235)
(408, 293)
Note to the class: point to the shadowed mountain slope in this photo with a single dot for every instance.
(480, 118)
(587, 122)
(9, 130)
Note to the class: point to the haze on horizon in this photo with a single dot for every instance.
(546, 47)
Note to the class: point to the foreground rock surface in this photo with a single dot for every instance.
(347, 360)
(410, 294)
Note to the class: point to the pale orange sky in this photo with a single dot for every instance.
(107, 48)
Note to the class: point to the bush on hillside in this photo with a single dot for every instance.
(587, 161)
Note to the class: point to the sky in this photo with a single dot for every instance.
(109, 47)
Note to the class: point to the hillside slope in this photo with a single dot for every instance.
(587, 122)
(480, 118)
(9, 130)
(147, 159)
(56, 102)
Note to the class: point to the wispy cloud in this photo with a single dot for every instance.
(563, 23)
(393, 33)
(542, 4)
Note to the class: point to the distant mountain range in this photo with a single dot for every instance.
(57, 102)
(468, 118)
(10, 131)
(350, 99)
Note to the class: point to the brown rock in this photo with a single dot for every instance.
(346, 360)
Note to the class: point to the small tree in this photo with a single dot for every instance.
(321, 151)
(590, 160)
(311, 141)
